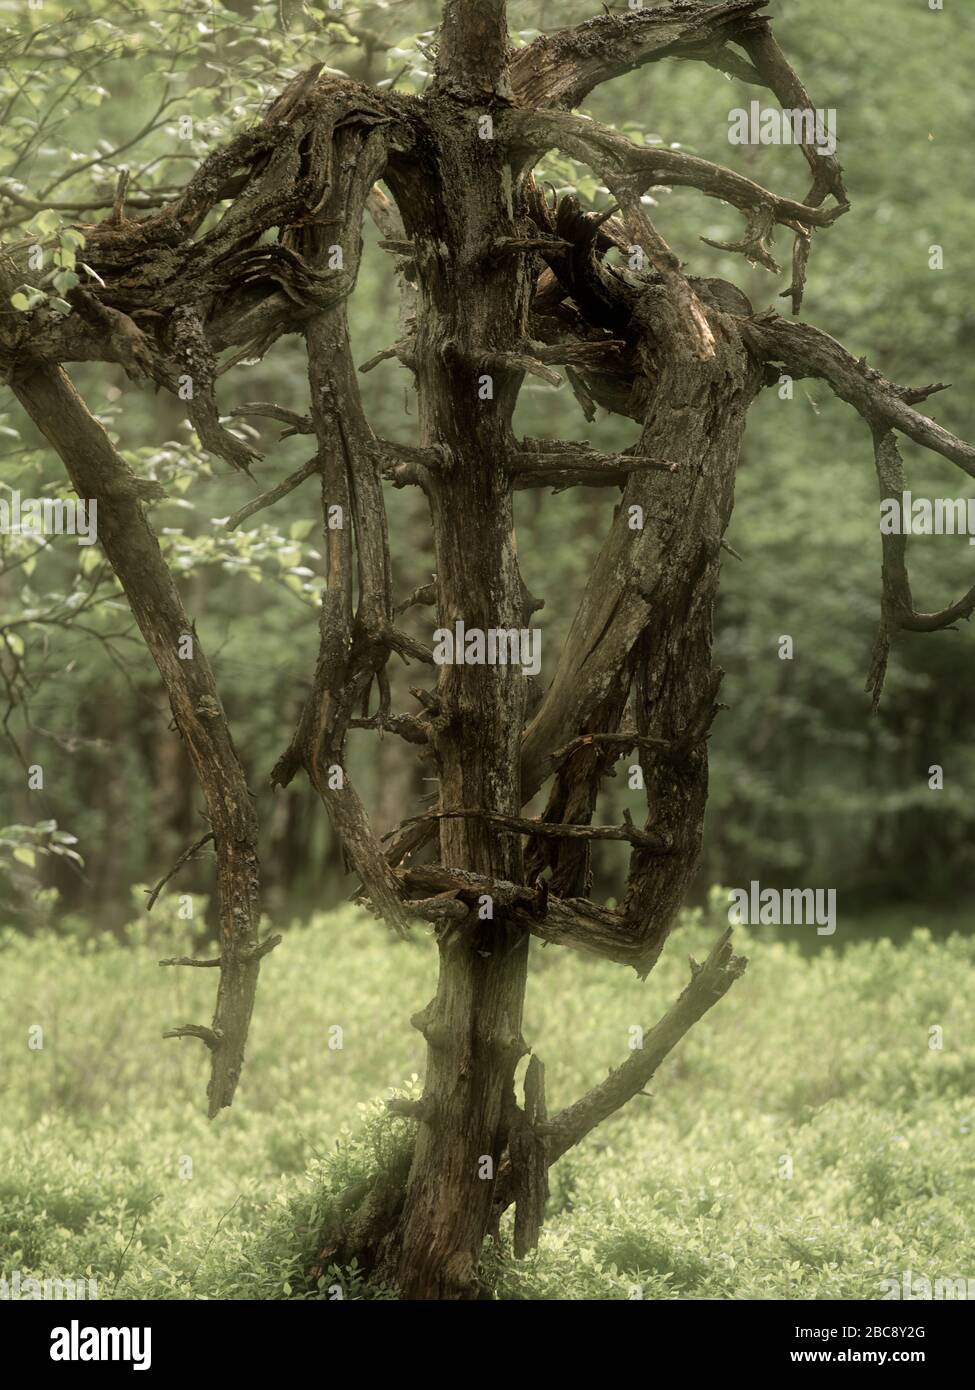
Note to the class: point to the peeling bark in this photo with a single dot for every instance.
(469, 307)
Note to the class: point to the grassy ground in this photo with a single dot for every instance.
(819, 1067)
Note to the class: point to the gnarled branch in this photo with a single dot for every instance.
(561, 69)
(709, 983)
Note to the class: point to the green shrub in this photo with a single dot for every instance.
(818, 1065)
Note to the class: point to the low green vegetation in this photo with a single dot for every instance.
(817, 1062)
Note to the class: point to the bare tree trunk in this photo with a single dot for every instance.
(472, 310)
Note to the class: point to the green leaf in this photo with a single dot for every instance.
(47, 221)
(25, 855)
(66, 280)
(27, 297)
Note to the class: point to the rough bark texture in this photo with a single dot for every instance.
(98, 471)
(472, 310)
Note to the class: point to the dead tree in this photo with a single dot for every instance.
(505, 283)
